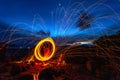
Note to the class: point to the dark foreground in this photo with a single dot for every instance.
(76, 63)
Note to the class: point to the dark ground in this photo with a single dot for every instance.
(82, 63)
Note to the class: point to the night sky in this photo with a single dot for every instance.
(59, 17)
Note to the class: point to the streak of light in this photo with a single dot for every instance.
(48, 55)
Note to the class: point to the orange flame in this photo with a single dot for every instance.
(47, 53)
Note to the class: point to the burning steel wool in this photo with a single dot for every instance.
(45, 49)
(40, 58)
(43, 52)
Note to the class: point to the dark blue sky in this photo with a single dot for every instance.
(59, 16)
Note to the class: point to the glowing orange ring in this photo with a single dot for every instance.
(37, 53)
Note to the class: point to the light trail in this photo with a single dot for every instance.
(47, 53)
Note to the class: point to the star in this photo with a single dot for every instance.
(59, 4)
